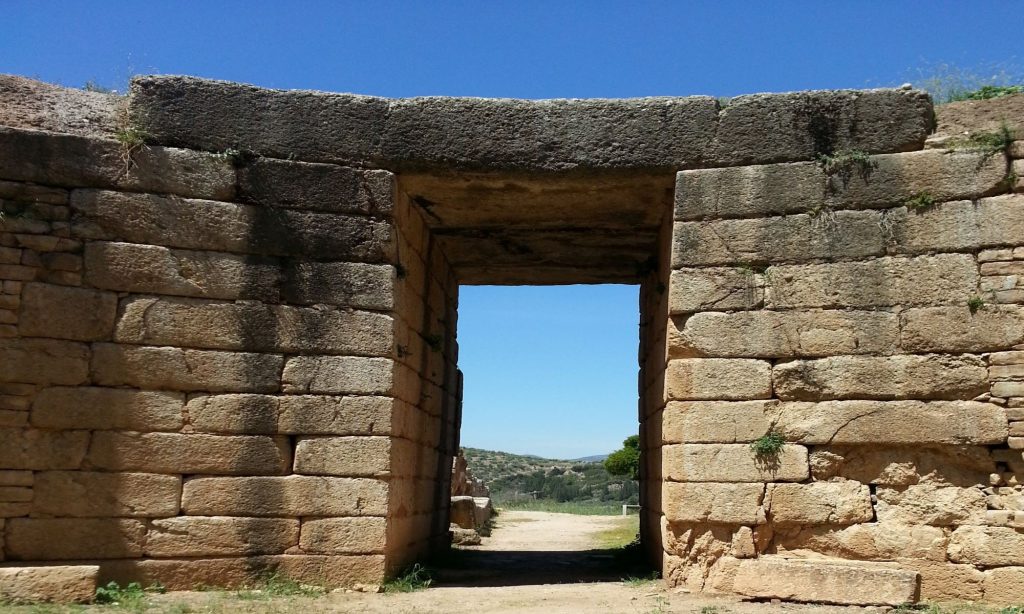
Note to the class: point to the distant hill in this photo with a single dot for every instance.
(517, 477)
(597, 458)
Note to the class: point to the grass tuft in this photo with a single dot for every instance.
(768, 445)
(415, 578)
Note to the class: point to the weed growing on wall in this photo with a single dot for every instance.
(415, 578)
(988, 143)
(922, 201)
(768, 445)
(844, 164)
(975, 303)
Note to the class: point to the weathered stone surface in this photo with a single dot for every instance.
(778, 189)
(36, 539)
(718, 379)
(963, 225)
(54, 583)
(36, 105)
(715, 288)
(196, 536)
(732, 463)
(900, 466)
(296, 495)
(792, 238)
(1008, 389)
(844, 502)
(178, 369)
(1002, 586)
(927, 504)
(956, 329)
(343, 456)
(42, 450)
(346, 284)
(826, 581)
(44, 361)
(902, 422)
(15, 478)
(865, 541)
(216, 116)
(975, 116)
(220, 226)
(107, 408)
(869, 377)
(987, 546)
(338, 375)
(77, 314)
(237, 572)
(700, 502)
(926, 280)
(365, 535)
(715, 421)
(943, 581)
(190, 453)
(129, 267)
(92, 494)
(761, 128)
(781, 334)
(318, 187)
(306, 414)
(252, 326)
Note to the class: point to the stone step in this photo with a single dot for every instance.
(827, 581)
(57, 583)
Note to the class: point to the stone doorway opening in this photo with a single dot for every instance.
(549, 381)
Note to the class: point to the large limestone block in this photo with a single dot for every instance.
(1002, 586)
(216, 115)
(778, 189)
(732, 463)
(821, 581)
(190, 453)
(761, 128)
(44, 361)
(218, 226)
(944, 582)
(830, 503)
(54, 583)
(889, 422)
(783, 334)
(883, 282)
(345, 284)
(927, 504)
(987, 546)
(252, 326)
(865, 541)
(317, 187)
(196, 536)
(338, 375)
(53, 539)
(365, 535)
(705, 502)
(181, 369)
(963, 225)
(343, 456)
(42, 450)
(714, 421)
(63, 312)
(291, 415)
(903, 465)
(462, 512)
(870, 377)
(718, 379)
(791, 238)
(93, 494)
(715, 288)
(96, 408)
(130, 267)
(296, 495)
(956, 329)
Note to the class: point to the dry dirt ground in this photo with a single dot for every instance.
(534, 562)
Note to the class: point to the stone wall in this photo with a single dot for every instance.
(232, 349)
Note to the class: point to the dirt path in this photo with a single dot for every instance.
(539, 531)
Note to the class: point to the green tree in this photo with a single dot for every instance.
(625, 461)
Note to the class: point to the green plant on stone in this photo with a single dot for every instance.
(768, 445)
(131, 597)
(414, 578)
(846, 163)
(988, 92)
(274, 584)
(989, 143)
(922, 201)
(975, 303)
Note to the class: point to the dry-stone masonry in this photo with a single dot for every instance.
(228, 328)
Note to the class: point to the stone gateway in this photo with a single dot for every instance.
(228, 328)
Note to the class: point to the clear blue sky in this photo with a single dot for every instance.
(563, 358)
